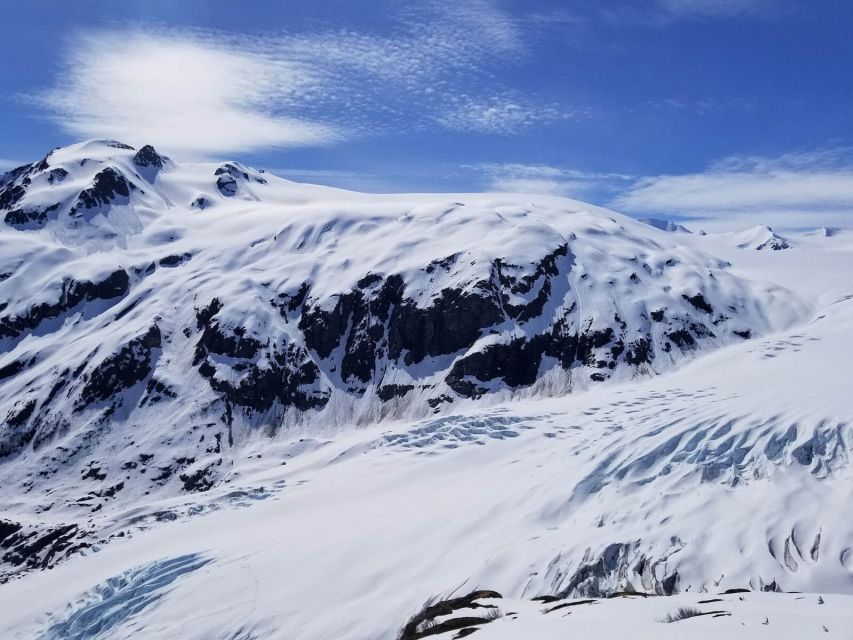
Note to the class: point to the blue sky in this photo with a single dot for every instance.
(725, 111)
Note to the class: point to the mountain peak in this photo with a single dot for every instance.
(761, 238)
(147, 156)
(665, 225)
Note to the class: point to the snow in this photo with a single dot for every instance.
(727, 470)
(760, 238)
(273, 236)
(748, 616)
(666, 225)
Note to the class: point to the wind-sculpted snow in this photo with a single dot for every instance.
(634, 487)
(741, 616)
(125, 304)
(351, 403)
(110, 605)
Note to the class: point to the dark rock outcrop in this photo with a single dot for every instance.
(227, 185)
(29, 218)
(454, 321)
(72, 294)
(228, 177)
(131, 364)
(37, 548)
(436, 618)
(147, 156)
(285, 377)
(109, 185)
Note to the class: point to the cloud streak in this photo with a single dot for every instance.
(715, 8)
(201, 93)
(504, 115)
(550, 180)
(6, 164)
(185, 93)
(812, 188)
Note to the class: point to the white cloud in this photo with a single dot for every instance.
(666, 13)
(6, 164)
(434, 41)
(700, 106)
(803, 189)
(501, 115)
(714, 8)
(202, 93)
(386, 182)
(185, 93)
(550, 180)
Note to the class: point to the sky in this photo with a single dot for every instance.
(723, 113)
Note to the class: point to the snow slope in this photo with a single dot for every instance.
(161, 312)
(760, 238)
(710, 617)
(730, 469)
(666, 225)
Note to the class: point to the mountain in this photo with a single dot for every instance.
(220, 300)
(824, 232)
(324, 408)
(760, 238)
(669, 226)
(732, 614)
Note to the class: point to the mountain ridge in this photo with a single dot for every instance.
(213, 397)
(560, 295)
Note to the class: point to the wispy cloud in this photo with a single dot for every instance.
(366, 181)
(187, 92)
(795, 189)
(6, 164)
(667, 13)
(701, 106)
(715, 8)
(202, 93)
(499, 114)
(551, 180)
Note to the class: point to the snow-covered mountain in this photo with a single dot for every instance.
(242, 389)
(760, 238)
(666, 225)
(214, 299)
(824, 232)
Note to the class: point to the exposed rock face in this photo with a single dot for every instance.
(774, 243)
(31, 548)
(442, 617)
(761, 238)
(370, 342)
(378, 327)
(14, 183)
(282, 305)
(29, 218)
(147, 156)
(13, 189)
(108, 185)
(257, 377)
(131, 364)
(72, 294)
(226, 184)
